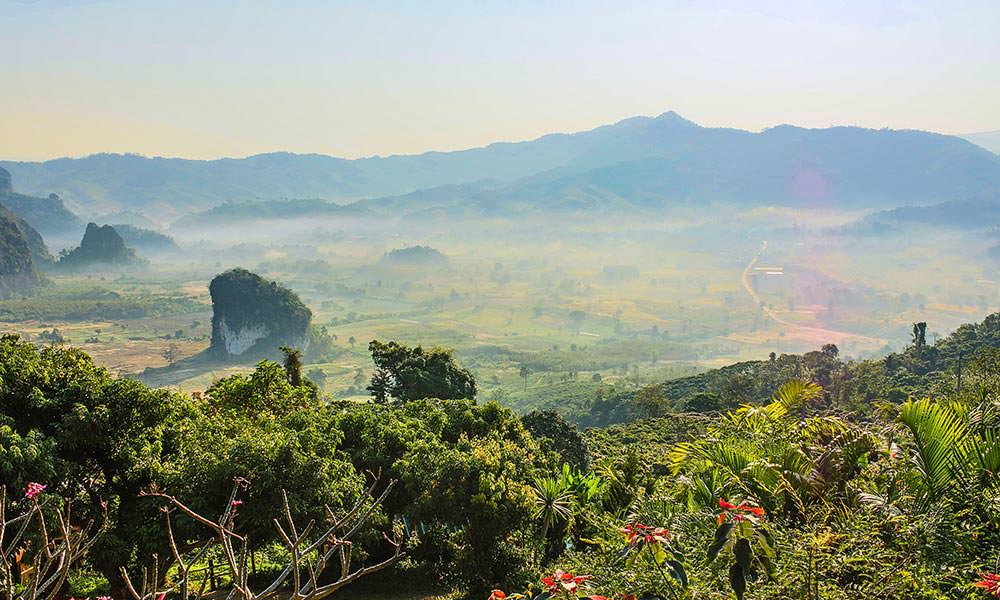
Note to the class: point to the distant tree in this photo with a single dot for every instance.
(408, 374)
(352, 341)
(596, 378)
(830, 350)
(651, 401)
(919, 337)
(293, 365)
(555, 433)
(577, 316)
(525, 372)
(317, 376)
(171, 353)
(702, 402)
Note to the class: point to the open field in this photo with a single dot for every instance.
(587, 310)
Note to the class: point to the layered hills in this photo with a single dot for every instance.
(639, 161)
(47, 215)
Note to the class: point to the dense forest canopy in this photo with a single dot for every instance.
(799, 476)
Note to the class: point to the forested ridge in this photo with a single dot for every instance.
(797, 476)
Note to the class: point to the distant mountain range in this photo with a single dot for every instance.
(48, 215)
(982, 213)
(987, 139)
(642, 161)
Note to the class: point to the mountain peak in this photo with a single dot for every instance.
(674, 118)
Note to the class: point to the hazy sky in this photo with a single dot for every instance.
(207, 79)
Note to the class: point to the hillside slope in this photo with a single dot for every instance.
(48, 215)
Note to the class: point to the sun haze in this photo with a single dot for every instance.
(205, 80)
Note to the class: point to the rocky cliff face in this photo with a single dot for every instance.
(101, 246)
(39, 251)
(253, 317)
(17, 267)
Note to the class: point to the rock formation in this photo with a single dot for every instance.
(39, 251)
(253, 317)
(101, 247)
(17, 266)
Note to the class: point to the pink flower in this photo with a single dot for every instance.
(34, 489)
(104, 598)
(236, 503)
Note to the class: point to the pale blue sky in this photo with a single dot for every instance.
(209, 79)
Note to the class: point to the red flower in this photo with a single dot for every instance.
(990, 583)
(497, 595)
(567, 581)
(660, 535)
(752, 509)
(740, 513)
(651, 535)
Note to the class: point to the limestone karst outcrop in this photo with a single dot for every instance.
(101, 247)
(253, 317)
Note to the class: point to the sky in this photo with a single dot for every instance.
(204, 79)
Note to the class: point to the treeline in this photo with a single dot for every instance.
(950, 365)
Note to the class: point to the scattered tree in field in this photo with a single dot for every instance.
(525, 372)
(407, 374)
(171, 353)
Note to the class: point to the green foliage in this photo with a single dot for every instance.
(777, 497)
(554, 433)
(94, 304)
(17, 265)
(106, 440)
(408, 374)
